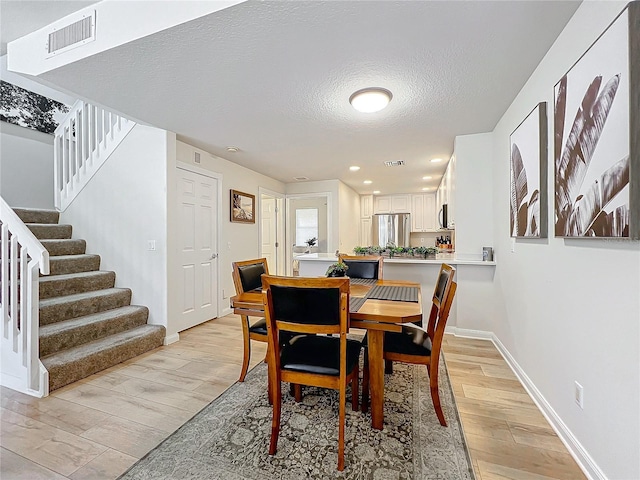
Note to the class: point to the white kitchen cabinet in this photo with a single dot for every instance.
(423, 213)
(366, 205)
(365, 231)
(446, 192)
(392, 204)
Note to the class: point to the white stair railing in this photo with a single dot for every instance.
(22, 259)
(83, 141)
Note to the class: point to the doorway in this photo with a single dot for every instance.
(271, 232)
(308, 216)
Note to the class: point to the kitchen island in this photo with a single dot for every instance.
(474, 297)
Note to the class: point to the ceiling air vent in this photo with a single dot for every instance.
(81, 31)
(301, 179)
(394, 163)
(196, 157)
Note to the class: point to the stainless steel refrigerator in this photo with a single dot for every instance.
(393, 228)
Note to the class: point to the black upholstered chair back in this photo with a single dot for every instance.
(308, 305)
(440, 295)
(368, 267)
(247, 274)
(312, 306)
(250, 276)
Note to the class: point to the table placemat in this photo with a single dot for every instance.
(355, 303)
(364, 281)
(395, 293)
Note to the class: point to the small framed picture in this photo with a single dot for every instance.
(243, 207)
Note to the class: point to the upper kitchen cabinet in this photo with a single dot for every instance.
(447, 192)
(366, 206)
(392, 204)
(423, 213)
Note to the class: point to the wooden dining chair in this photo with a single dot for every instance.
(363, 266)
(417, 345)
(302, 307)
(247, 278)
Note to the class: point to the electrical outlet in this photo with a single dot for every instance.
(151, 245)
(579, 392)
(421, 239)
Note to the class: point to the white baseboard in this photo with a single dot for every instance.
(226, 311)
(169, 339)
(575, 448)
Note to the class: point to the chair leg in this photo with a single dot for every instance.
(343, 401)
(365, 386)
(297, 392)
(435, 395)
(247, 347)
(355, 390)
(275, 423)
(388, 367)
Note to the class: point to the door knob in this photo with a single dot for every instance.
(213, 256)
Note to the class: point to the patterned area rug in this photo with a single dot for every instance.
(229, 438)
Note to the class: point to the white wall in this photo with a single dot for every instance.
(474, 192)
(569, 309)
(349, 218)
(238, 241)
(26, 167)
(122, 207)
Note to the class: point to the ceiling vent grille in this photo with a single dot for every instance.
(72, 35)
(394, 163)
(301, 179)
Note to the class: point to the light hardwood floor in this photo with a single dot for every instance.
(100, 426)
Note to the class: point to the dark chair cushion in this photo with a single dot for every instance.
(362, 269)
(259, 327)
(318, 354)
(403, 343)
(250, 276)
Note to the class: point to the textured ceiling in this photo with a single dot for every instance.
(274, 79)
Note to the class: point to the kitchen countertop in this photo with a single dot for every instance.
(451, 258)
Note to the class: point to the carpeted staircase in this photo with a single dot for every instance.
(86, 325)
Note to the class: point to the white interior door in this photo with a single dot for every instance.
(197, 248)
(272, 231)
(269, 233)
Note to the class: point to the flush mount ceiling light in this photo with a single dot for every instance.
(425, 189)
(367, 182)
(375, 192)
(370, 100)
(233, 149)
(436, 160)
(426, 178)
(354, 168)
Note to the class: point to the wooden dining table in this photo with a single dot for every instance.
(374, 315)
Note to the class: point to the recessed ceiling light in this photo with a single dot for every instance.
(426, 178)
(370, 100)
(376, 192)
(367, 182)
(233, 149)
(436, 160)
(354, 168)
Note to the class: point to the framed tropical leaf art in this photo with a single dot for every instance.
(528, 205)
(597, 136)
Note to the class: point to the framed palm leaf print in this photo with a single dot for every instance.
(528, 201)
(596, 136)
